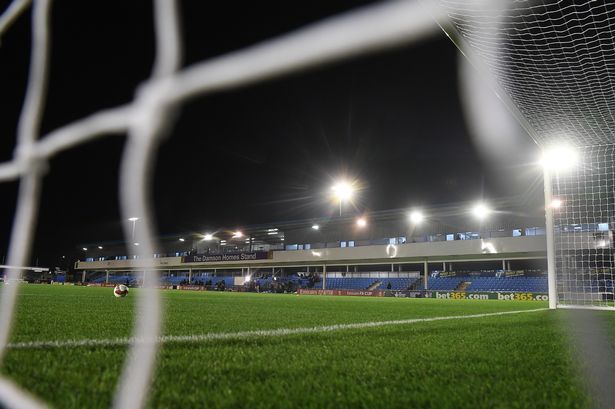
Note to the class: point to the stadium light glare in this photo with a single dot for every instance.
(487, 247)
(85, 249)
(391, 250)
(559, 158)
(100, 247)
(343, 191)
(416, 217)
(238, 234)
(136, 244)
(556, 204)
(361, 222)
(315, 227)
(208, 237)
(480, 211)
(182, 239)
(133, 219)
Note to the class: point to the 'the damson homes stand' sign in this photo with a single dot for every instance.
(210, 258)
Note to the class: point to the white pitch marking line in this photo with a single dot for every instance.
(271, 333)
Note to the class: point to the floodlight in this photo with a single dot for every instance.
(208, 237)
(343, 190)
(133, 219)
(100, 247)
(480, 211)
(182, 239)
(416, 217)
(315, 227)
(237, 234)
(559, 158)
(361, 222)
(556, 204)
(85, 249)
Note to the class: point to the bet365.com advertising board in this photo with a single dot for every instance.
(499, 295)
(444, 295)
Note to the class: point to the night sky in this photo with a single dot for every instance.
(267, 152)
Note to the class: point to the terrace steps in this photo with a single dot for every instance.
(374, 286)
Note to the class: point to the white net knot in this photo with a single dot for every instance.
(152, 106)
(30, 160)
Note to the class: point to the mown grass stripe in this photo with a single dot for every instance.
(272, 333)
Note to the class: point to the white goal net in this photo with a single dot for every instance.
(553, 64)
(583, 227)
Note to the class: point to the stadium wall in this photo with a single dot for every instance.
(492, 249)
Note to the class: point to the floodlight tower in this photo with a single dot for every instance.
(343, 191)
(554, 160)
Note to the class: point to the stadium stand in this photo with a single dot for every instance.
(520, 284)
(358, 283)
(174, 280)
(264, 282)
(397, 283)
(537, 284)
(349, 283)
(445, 283)
(228, 281)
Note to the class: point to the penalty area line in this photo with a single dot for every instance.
(268, 333)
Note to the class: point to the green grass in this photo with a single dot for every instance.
(503, 361)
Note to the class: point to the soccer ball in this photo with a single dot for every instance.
(120, 290)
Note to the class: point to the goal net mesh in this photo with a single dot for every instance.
(583, 229)
(551, 61)
(553, 64)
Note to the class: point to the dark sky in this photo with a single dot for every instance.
(267, 152)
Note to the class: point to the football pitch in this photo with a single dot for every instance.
(269, 350)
